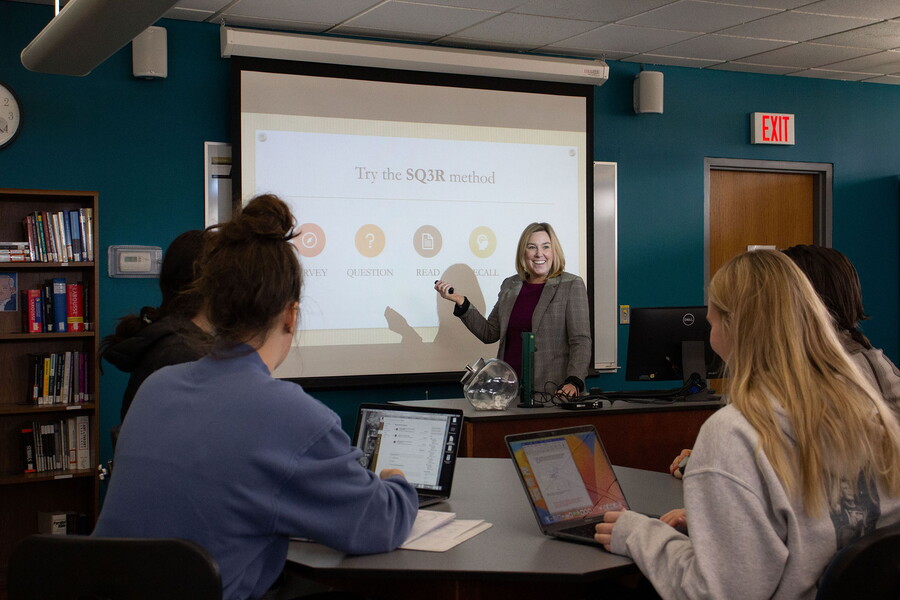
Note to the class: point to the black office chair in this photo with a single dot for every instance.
(78, 567)
(867, 568)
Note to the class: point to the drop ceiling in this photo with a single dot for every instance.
(854, 40)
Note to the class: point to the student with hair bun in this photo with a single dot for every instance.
(220, 452)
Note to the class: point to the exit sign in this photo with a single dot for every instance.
(771, 128)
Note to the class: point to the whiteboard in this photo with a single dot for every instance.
(605, 268)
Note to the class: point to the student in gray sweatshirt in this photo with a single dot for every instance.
(803, 460)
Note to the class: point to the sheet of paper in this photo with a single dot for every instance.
(426, 521)
(446, 537)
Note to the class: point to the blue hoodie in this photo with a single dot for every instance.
(219, 452)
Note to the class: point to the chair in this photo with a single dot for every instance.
(867, 568)
(78, 567)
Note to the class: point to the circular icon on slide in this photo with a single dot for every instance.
(370, 240)
(311, 240)
(482, 242)
(427, 241)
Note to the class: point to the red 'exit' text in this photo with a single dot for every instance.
(771, 128)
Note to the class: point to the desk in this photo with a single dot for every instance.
(512, 559)
(638, 435)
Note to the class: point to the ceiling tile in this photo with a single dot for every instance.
(779, 4)
(870, 9)
(586, 53)
(313, 11)
(794, 26)
(673, 61)
(208, 5)
(842, 39)
(456, 42)
(494, 5)
(752, 68)
(623, 38)
(889, 79)
(882, 36)
(416, 19)
(524, 30)
(719, 47)
(607, 11)
(384, 34)
(298, 26)
(880, 62)
(825, 74)
(807, 55)
(693, 15)
(188, 14)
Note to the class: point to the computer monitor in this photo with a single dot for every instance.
(670, 344)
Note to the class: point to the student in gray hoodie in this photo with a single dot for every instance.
(803, 460)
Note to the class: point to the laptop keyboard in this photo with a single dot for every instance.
(586, 531)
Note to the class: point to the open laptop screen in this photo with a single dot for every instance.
(567, 474)
(421, 442)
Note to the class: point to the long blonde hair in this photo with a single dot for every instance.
(784, 349)
(557, 265)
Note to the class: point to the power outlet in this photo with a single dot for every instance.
(624, 314)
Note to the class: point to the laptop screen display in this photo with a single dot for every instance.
(567, 474)
(421, 443)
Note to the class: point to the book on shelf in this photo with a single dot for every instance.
(26, 434)
(75, 232)
(83, 443)
(31, 234)
(88, 228)
(53, 522)
(61, 445)
(77, 523)
(14, 252)
(32, 311)
(56, 307)
(59, 305)
(47, 296)
(60, 236)
(75, 306)
(72, 445)
(58, 378)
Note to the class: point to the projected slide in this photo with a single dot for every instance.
(351, 243)
(397, 191)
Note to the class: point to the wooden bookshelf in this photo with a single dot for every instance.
(23, 495)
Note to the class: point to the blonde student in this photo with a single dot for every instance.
(220, 452)
(804, 459)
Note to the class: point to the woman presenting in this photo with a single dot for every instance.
(542, 298)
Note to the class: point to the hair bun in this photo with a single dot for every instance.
(265, 217)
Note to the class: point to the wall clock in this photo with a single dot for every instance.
(10, 115)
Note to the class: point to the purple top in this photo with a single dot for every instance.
(519, 321)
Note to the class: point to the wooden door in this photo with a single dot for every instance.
(768, 208)
(763, 208)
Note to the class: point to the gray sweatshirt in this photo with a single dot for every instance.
(748, 537)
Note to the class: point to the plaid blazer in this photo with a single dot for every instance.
(561, 324)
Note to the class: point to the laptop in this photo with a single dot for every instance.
(422, 442)
(568, 480)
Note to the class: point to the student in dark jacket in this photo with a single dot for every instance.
(174, 332)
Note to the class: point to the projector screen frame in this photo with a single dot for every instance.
(241, 64)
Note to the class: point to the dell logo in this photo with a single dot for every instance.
(687, 319)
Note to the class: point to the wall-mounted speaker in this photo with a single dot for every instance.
(149, 55)
(648, 92)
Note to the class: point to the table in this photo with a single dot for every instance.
(512, 559)
(637, 435)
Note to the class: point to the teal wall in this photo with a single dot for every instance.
(140, 145)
